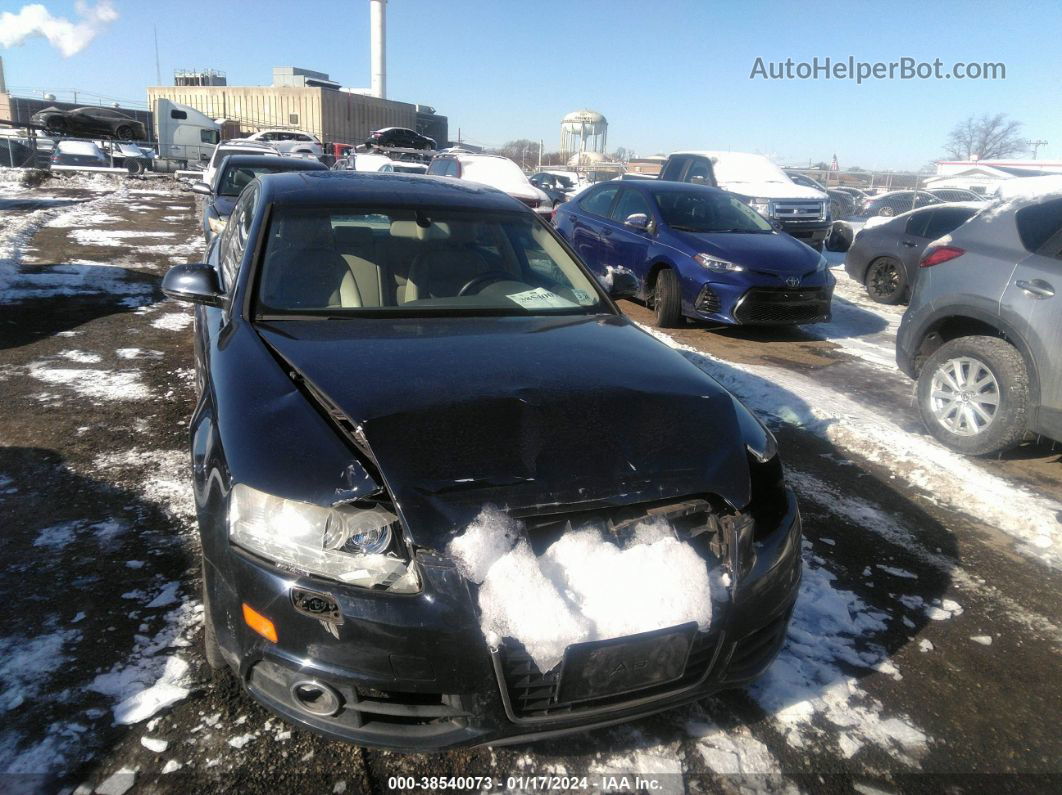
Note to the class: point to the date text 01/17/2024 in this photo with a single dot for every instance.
(604, 783)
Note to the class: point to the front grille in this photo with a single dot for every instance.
(754, 652)
(708, 301)
(766, 305)
(798, 210)
(532, 693)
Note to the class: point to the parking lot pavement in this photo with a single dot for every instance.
(925, 641)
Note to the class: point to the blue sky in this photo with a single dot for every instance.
(666, 74)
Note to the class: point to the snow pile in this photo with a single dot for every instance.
(585, 587)
(173, 321)
(951, 479)
(151, 680)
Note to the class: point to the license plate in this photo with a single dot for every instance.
(623, 665)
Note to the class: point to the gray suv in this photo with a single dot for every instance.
(983, 332)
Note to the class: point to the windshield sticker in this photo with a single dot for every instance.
(539, 298)
(582, 296)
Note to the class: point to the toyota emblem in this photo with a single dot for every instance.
(793, 281)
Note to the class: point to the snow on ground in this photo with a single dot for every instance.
(173, 321)
(27, 663)
(113, 237)
(153, 677)
(162, 477)
(861, 327)
(948, 478)
(93, 383)
(807, 683)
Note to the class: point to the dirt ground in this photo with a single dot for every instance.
(924, 653)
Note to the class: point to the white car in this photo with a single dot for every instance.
(290, 141)
(364, 162)
(497, 172)
(239, 146)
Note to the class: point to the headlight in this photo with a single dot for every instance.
(762, 206)
(342, 543)
(217, 225)
(718, 265)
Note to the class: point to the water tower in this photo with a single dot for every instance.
(583, 131)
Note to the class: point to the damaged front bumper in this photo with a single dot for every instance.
(412, 672)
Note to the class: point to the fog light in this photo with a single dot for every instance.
(315, 697)
(259, 623)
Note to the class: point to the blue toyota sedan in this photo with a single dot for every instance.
(697, 252)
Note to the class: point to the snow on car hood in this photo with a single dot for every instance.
(585, 587)
(772, 190)
(526, 412)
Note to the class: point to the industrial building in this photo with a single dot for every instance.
(308, 100)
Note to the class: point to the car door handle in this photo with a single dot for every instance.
(1037, 288)
(909, 243)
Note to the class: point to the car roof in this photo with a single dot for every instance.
(657, 186)
(79, 147)
(289, 163)
(314, 188)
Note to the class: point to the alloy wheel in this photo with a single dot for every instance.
(885, 279)
(964, 396)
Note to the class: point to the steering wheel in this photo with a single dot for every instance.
(482, 280)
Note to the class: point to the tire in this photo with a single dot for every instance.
(134, 166)
(667, 303)
(885, 281)
(887, 211)
(957, 423)
(125, 132)
(211, 647)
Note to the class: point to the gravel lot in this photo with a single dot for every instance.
(924, 649)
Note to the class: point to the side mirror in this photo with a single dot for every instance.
(638, 222)
(197, 284)
(202, 188)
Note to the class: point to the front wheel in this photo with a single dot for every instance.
(973, 395)
(885, 281)
(667, 302)
(125, 132)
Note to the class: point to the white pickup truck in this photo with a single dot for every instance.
(802, 212)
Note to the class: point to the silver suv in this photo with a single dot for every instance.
(983, 332)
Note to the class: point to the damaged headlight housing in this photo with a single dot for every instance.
(346, 543)
(217, 224)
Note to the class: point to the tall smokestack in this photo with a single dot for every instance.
(378, 45)
(3, 85)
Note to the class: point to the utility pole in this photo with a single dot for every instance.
(1036, 145)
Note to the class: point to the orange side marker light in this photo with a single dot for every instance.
(259, 623)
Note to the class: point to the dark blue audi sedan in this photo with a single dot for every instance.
(697, 252)
(384, 359)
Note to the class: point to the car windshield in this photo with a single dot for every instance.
(357, 261)
(709, 212)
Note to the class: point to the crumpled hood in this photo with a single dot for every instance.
(773, 190)
(775, 253)
(525, 413)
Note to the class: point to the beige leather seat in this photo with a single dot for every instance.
(445, 266)
(355, 244)
(303, 270)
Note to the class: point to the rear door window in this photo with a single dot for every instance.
(699, 172)
(917, 223)
(599, 203)
(1038, 225)
(674, 167)
(945, 221)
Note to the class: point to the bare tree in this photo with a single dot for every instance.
(985, 138)
(621, 155)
